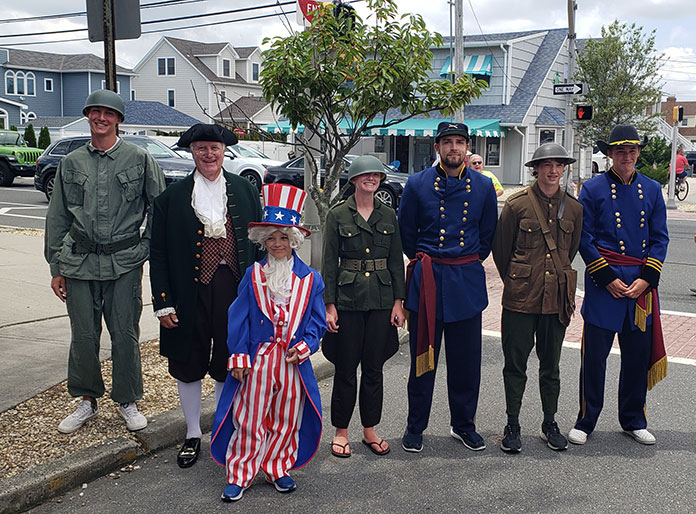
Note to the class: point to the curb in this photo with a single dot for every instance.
(38, 485)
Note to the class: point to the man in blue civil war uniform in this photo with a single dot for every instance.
(447, 220)
(624, 243)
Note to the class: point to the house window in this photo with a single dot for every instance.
(225, 67)
(118, 86)
(492, 151)
(223, 95)
(48, 85)
(19, 83)
(255, 71)
(170, 97)
(165, 66)
(547, 136)
(9, 82)
(132, 94)
(31, 84)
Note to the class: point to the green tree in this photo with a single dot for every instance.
(44, 138)
(342, 75)
(657, 152)
(30, 135)
(621, 69)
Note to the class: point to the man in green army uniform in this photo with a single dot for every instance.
(96, 245)
(537, 236)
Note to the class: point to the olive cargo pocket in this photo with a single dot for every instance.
(131, 180)
(517, 280)
(350, 241)
(74, 187)
(383, 234)
(344, 294)
(565, 234)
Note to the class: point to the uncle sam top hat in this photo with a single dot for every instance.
(282, 207)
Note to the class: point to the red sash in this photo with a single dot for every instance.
(427, 306)
(646, 304)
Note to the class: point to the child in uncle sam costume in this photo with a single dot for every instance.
(269, 414)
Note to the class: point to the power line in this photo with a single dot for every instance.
(163, 3)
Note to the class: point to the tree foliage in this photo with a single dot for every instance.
(340, 77)
(657, 152)
(44, 138)
(621, 69)
(30, 135)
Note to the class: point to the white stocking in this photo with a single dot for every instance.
(190, 398)
(218, 391)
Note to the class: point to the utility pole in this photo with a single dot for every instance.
(459, 50)
(109, 45)
(570, 79)
(671, 204)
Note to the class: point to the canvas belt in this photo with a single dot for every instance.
(363, 265)
(83, 243)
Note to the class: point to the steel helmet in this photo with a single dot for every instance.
(550, 151)
(366, 164)
(105, 98)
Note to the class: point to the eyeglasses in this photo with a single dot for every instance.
(202, 150)
(476, 162)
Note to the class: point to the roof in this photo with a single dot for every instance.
(139, 112)
(551, 116)
(244, 108)
(190, 49)
(245, 51)
(500, 36)
(53, 121)
(65, 63)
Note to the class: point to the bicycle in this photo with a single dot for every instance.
(681, 189)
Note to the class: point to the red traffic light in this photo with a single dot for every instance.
(583, 112)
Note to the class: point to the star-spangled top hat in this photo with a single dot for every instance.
(282, 207)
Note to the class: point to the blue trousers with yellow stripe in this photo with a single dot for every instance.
(633, 377)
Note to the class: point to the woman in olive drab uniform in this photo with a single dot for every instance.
(363, 269)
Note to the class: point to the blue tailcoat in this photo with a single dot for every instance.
(629, 219)
(445, 216)
(247, 328)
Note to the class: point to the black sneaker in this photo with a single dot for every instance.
(553, 437)
(471, 440)
(512, 442)
(412, 442)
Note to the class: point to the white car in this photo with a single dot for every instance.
(240, 160)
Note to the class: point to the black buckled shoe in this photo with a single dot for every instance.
(189, 452)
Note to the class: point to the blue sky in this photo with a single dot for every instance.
(673, 20)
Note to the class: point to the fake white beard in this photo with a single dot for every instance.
(278, 274)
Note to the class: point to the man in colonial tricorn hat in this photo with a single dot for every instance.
(269, 415)
(624, 244)
(198, 254)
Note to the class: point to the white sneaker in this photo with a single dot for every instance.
(134, 420)
(642, 436)
(577, 436)
(84, 412)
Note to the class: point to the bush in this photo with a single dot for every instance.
(44, 138)
(30, 135)
(660, 174)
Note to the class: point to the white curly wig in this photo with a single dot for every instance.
(259, 234)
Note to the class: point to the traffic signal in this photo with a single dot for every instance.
(678, 113)
(583, 112)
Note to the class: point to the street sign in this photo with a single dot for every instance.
(567, 89)
(583, 112)
(126, 20)
(305, 11)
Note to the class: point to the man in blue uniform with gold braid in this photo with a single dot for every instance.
(624, 243)
(447, 219)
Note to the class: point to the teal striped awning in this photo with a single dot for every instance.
(413, 127)
(473, 65)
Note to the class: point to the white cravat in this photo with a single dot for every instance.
(209, 204)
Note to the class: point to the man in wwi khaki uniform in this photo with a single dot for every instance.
(96, 245)
(536, 238)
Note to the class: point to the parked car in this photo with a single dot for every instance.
(292, 172)
(600, 162)
(16, 157)
(173, 166)
(241, 160)
(691, 157)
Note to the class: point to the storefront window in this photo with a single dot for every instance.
(492, 151)
(547, 136)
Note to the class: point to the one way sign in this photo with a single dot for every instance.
(567, 89)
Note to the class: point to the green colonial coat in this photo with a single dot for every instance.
(175, 253)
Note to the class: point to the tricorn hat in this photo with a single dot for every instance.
(282, 207)
(622, 135)
(207, 132)
(446, 128)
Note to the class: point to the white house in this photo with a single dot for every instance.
(197, 78)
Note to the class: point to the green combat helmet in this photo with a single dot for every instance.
(105, 98)
(366, 164)
(550, 151)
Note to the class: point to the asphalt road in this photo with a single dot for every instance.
(22, 206)
(611, 473)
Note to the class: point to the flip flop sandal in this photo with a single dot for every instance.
(344, 454)
(376, 447)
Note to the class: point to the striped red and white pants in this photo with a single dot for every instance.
(267, 414)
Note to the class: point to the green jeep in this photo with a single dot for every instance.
(16, 158)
